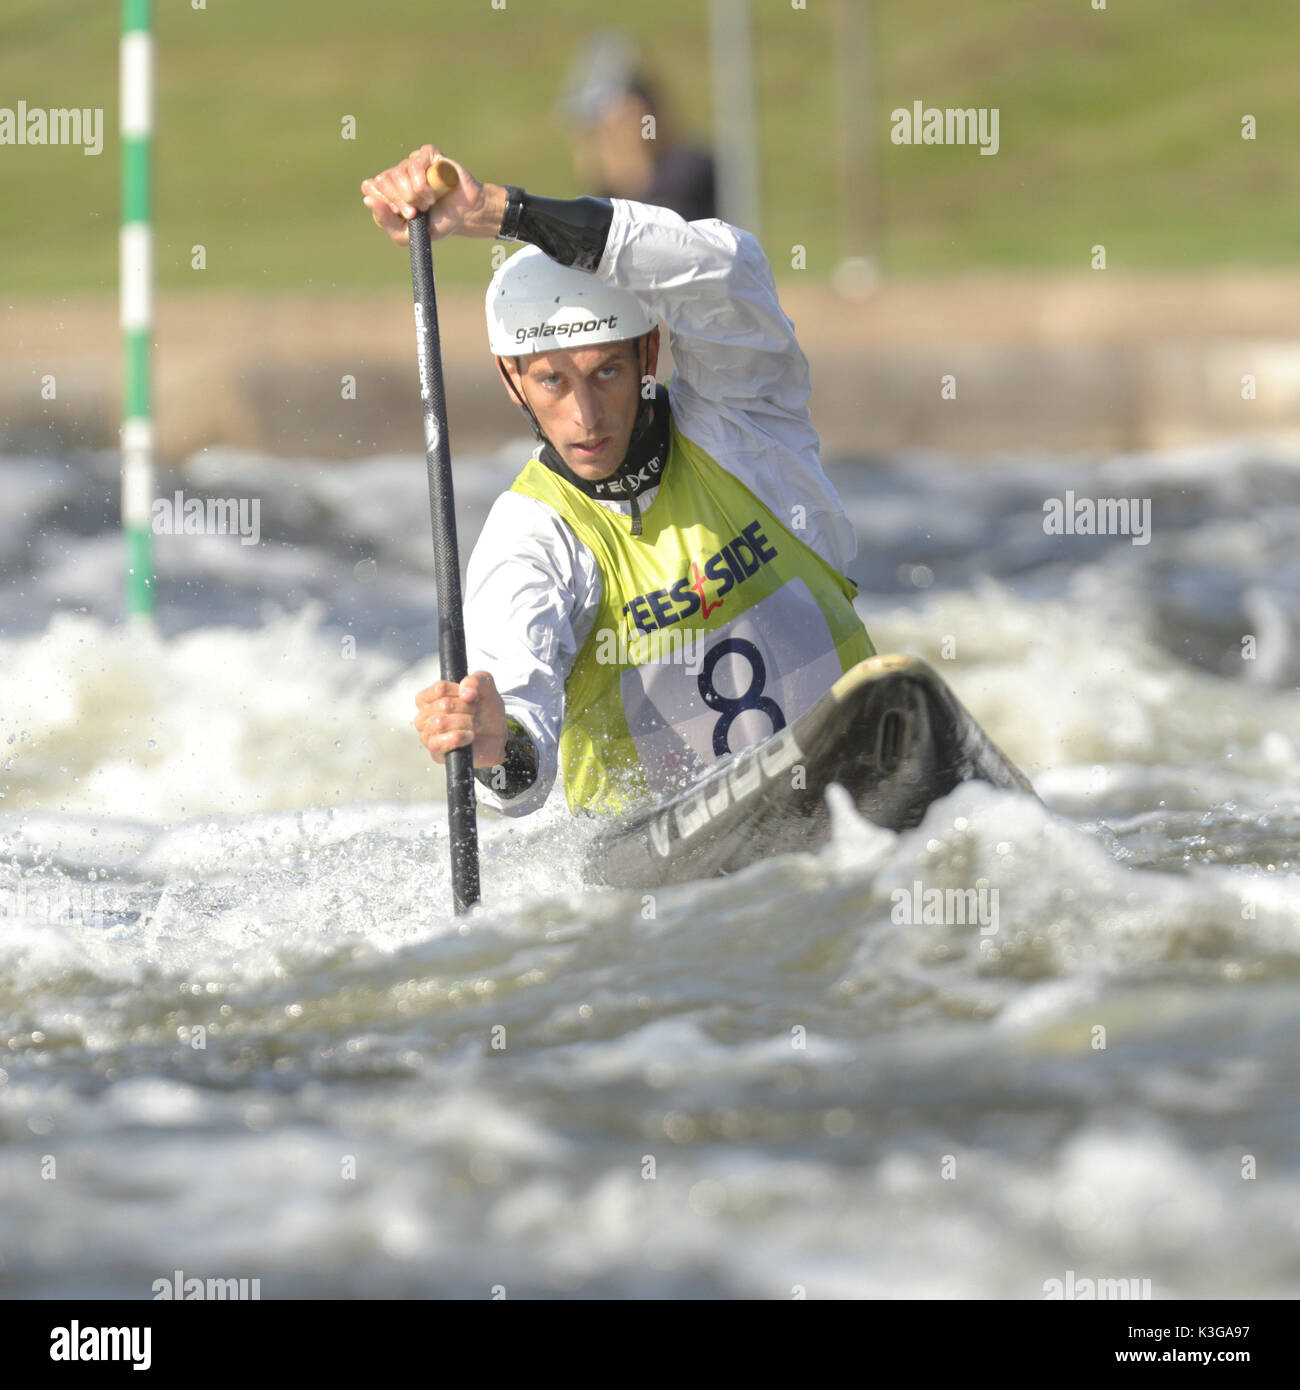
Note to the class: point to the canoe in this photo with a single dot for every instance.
(889, 731)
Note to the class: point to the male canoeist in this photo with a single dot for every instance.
(664, 583)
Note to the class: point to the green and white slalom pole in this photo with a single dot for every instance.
(135, 293)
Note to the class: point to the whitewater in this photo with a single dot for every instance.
(242, 1035)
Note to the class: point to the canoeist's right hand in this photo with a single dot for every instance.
(396, 195)
(454, 716)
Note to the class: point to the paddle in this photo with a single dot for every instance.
(446, 559)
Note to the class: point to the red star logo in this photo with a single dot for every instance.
(705, 606)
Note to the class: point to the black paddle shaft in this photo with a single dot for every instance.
(461, 798)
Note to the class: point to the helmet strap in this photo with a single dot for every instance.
(523, 404)
(645, 415)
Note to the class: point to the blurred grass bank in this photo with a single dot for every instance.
(1119, 128)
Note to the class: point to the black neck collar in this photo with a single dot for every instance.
(643, 465)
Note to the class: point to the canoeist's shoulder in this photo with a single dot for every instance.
(519, 520)
(520, 509)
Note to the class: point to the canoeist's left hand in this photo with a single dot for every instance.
(396, 195)
(454, 716)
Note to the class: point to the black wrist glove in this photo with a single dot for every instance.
(517, 771)
(572, 231)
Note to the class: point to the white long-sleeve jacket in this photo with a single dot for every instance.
(739, 390)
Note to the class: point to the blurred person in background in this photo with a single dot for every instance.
(624, 146)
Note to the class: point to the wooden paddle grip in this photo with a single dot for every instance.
(442, 176)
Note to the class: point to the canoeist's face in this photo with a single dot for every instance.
(586, 400)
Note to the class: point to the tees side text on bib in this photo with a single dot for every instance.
(717, 627)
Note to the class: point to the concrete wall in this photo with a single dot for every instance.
(1094, 361)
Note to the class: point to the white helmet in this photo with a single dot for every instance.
(534, 304)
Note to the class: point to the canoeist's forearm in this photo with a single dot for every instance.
(571, 231)
(485, 220)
